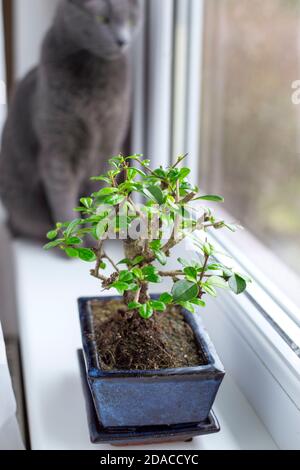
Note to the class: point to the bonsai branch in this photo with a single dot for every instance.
(174, 240)
(206, 259)
(98, 252)
(174, 273)
(101, 255)
(171, 273)
(110, 260)
(188, 198)
(180, 159)
(137, 295)
(99, 276)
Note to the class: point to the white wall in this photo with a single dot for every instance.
(31, 20)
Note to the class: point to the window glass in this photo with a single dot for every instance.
(250, 150)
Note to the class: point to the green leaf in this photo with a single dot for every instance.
(217, 281)
(155, 245)
(137, 260)
(155, 194)
(114, 199)
(81, 209)
(131, 173)
(172, 204)
(106, 192)
(74, 241)
(132, 287)
(140, 172)
(100, 178)
(85, 254)
(121, 286)
(191, 272)
(210, 290)
(146, 311)
(71, 252)
(101, 216)
(125, 276)
(161, 257)
(101, 228)
(53, 244)
(87, 202)
(210, 197)
(134, 305)
(243, 276)
(198, 302)
(214, 267)
(116, 161)
(173, 175)
(227, 273)
(184, 262)
(166, 298)
(147, 270)
(188, 306)
(184, 291)
(158, 305)
(160, 173)
(237, 284)
(72, 226)
(154, 278)
(136, 157)
(151, 274)
(208, 249)
(190, 278)
(120, 222)
(125, 261)
(53, 234)
(184, 172)
(138, 273)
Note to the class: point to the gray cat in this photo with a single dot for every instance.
(68, 114)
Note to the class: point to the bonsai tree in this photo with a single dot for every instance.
(149, 233)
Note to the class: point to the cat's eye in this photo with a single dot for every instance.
(103, 19)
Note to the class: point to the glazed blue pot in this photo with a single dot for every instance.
(151, 398)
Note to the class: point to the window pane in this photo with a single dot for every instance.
(250, 126)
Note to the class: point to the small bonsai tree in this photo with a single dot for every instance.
(149, 233)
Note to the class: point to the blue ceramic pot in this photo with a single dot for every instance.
(151, 398)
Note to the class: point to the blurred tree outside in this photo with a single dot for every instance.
(250, 150)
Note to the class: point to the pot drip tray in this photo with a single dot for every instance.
(140, 435)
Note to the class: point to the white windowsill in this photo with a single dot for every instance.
(47, 291)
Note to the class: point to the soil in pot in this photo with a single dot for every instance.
(166, 341)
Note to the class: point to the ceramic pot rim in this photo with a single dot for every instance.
(213, 368)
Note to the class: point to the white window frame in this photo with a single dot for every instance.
(251, 331)
(258, 333)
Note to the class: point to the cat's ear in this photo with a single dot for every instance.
(90, 5)
(134, 3)
(135, 7)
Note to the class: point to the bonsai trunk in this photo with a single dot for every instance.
(134, 248)
(142, 296)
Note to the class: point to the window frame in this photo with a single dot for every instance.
(248, 337)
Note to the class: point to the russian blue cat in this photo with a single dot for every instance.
(68, 114)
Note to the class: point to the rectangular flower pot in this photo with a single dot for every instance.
(151, 398)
